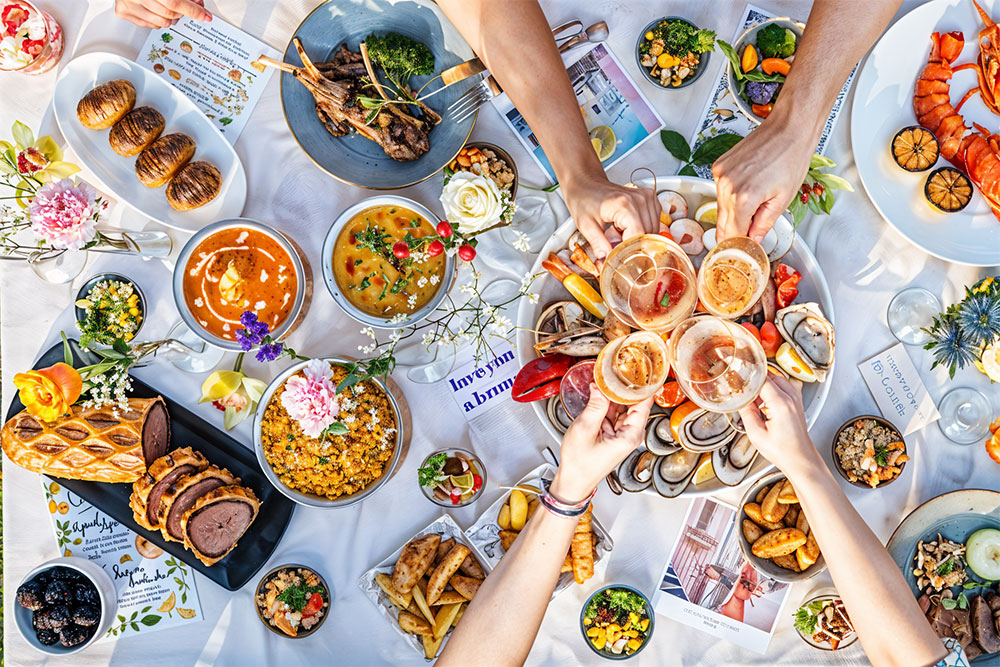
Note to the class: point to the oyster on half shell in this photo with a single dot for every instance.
(704, 431)
(810, 334)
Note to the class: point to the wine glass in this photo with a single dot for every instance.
(188, 352)
(59, 267)
(733, 277)
(426, 364)
(965, 415)
(909, 312)
(632, 368)
(719, 365)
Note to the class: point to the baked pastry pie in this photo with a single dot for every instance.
(196, 184)
(105, 105)
(158, 163)
(217, 520)
(135, 131)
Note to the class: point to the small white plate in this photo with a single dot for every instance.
(883, 105)
(117, 173)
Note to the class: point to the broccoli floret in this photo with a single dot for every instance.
(775, 41)
(399, 57)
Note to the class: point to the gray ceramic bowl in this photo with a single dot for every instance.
(404, 427)
(748, 36)
(338, 294)
(503, 155)
(840, 466)
(698, 71)
(291, 566)
(764, 565)
(649, 632)
(353, 159)
(100, 277)
(105, 589)
(303, 294)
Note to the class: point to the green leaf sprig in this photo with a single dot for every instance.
(704, 155)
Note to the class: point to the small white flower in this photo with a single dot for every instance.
(532, 298)
(368, 331)
(396, 319)
(396, 335)
(526, 281)
(521, 242)
(469, 289)
(502, 325)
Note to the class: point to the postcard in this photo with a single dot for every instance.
(900, 393)
(709, 585)
(479, 386)
(617, 115)
(156, 591)
(214, 65)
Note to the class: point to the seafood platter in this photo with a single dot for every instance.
(573, 336)
(924, 104)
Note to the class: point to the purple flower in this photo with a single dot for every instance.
(269, 352)
(253, 333)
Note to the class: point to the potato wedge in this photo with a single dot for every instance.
(791, 516)
(431, 646)
(787, 494)
(811, 547)
(447, 567)
(414, 624)
(751, 531)
(444, 618)
(421, 600)
(753, 511)
(465, 586)
(518, 510)
(507, 538)
(779, 542)
(802, 523)
(803, 558)
(414, 561)
(771, 509)
(788, 562)
(470, 567)
(761, 495)
(458, 616)
(452, 597)
(443, 549)
(567, 565)
(533, 507)
(503, 519)
(385, 583)
(414, 609)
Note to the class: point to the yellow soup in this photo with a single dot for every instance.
(371, 281)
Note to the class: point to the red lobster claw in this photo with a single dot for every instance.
(540, 378)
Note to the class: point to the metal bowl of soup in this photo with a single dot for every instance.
(239, 265)
(369, 286)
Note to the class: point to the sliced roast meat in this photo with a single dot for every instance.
(153, 504)
(155, 432)
(148, 491)
(182, 494)
(972, 651)
(942, 621)
(218, 519)
(983, 626)
(961, 625)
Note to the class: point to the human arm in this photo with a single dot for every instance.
(508, 608)
(515, 42)
(759, 177)
(160, 13)
(866, 577)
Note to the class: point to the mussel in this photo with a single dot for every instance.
(810, 334)
(704, 431)
(557, 416)
(635, 473)
(565, 327)
(673, 473)
(732, 462)
(659, 439)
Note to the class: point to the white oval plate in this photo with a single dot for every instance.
(813, 287)
(883, 104)
(117, 173)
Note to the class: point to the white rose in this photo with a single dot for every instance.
(472, 202)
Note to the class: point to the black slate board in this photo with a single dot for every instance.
(189, 430)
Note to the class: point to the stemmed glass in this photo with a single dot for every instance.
(188, 352)
(733, 277)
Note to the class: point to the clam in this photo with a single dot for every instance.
(557, 415)
(635, 473)
(564, 327)
(673, 473)
(810, 334)
(704, 431)
(732, 462)
(659, 439)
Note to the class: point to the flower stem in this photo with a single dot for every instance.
(238, 367)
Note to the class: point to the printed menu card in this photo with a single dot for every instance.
(214, 65)
(900, 393)
(156, 591)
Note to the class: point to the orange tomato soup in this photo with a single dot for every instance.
(370, 281)
(235, 270)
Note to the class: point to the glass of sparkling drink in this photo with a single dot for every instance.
(733, 277)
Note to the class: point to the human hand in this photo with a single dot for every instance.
(160, 13)
(596, 442)
(776, 425)
(759, 177)
(595, 201)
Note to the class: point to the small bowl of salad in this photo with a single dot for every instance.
(759, 63)
(672, 52)
(617, 622)
(452, 477)
(292, 600)
(109, 306)
(823, 623)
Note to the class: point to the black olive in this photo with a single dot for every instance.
(72, 635)
(84, 592)
(64, 574)
(31, 595)
(86, 614)
(58, 592)
(47, 637)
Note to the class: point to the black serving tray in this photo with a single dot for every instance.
(189, 430)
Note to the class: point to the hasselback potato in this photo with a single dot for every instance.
(158, 163)
(105, 105)
(135, 131)
(196, 184)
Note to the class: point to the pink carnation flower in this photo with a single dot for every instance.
(64, 214)
(311, 398)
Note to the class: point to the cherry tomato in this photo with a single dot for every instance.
(783, 273)
(752, 328)
(787, 293)
(770, 339)
(467, 252)
(762, 110)
(444, 229)
(670, 395)
(477, 483)
(314, 605)
(401, 249)
(435, 248)
(666, 234)
(456, 496)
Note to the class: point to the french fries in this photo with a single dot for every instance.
(431, 646)
(425, 609)
(777, 528)
(445, 616)
(398, 599)
(451, 597)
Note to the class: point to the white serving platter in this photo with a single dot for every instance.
(116, 173)
(813, 287)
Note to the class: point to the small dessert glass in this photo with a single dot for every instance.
(31, 41)
(444, 494)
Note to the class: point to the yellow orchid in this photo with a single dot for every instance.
(233, 392)
(36, 162)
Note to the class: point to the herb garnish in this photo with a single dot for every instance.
(433, 472)
(807, 617)
(618, 601)
(297, 597)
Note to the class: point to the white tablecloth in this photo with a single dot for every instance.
(865, 262)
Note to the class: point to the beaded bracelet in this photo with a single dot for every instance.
(561, 507)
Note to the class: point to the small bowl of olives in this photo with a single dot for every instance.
(65, 605)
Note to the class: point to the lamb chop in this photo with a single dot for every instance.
(336, 86)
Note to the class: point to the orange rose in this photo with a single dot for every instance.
(48, 393)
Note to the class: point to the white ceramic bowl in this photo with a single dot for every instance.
(404, 428)
(105, 589)
(338, 295)
(750, 35)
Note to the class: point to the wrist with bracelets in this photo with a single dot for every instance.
(560, 507)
